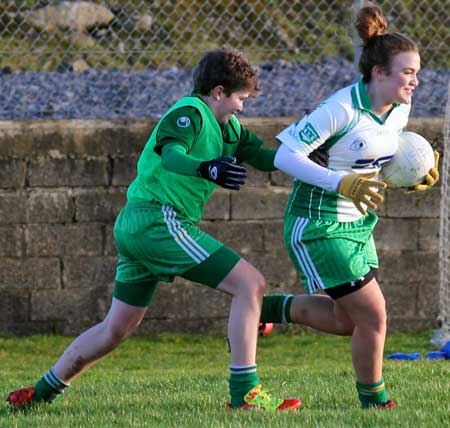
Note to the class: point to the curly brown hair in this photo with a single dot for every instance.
(227, 68)
(378, 46)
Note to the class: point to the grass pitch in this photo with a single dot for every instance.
(181, 381)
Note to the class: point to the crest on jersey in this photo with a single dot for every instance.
(183, 122)
(308, 134)
(358, 145)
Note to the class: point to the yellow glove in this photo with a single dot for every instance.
(357, 187)
(430, 179)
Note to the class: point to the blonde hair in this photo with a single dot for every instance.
(378, 46)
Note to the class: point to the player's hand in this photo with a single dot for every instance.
(319, 156)
(223, 171)
(358, 188)
(430, 179)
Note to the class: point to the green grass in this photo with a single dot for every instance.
(181, 381)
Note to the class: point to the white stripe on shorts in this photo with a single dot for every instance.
(314, 282)
(182, 238)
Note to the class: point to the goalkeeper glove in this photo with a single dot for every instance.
(223, 171)
(430, 179)
(357, 187)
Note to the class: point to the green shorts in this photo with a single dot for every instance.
(155, 243)
(330, 253)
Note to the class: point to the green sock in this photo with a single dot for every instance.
(242, 380)
(49, 387)
(371, 393)
(277, 308)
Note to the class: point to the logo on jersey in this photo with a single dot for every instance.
(358, 145)
(372, 163)
(183, 122)
(308, 134)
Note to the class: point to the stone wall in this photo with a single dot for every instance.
(62, 184)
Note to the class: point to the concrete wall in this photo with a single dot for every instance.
(62, 184)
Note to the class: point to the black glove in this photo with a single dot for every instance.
(319, 156)
(223, 171)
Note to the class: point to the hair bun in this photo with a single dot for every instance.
(370, 23)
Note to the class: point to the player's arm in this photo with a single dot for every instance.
(252, 151)
(298, 165)
(359, 188)
(222, 171)
(176, 135)
(303, 137)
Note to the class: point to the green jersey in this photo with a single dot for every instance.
(205, 139)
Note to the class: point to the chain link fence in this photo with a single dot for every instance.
(134, 58)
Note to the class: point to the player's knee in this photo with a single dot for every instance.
(375, 319)
(260, 284)
(344, 323)
(117, 332)
(381, 316)
(255, 285)
(345, 327)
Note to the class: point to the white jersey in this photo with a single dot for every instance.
(357, 141)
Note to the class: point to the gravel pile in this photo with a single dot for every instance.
(288, 89)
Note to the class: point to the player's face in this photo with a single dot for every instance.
(228, 105)
(401, 80)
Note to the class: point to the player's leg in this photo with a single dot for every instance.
(134, 289)
(367, 309)
(321, 313)
(82, 353)
(120, 322)
(226, 271)
(246, 285)
(322, 261)
(340, 258)
(135, 285)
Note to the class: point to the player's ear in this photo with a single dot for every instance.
(378, 72)
(217, 92)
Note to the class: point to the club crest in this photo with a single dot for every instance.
(183, 122)
(358, 145)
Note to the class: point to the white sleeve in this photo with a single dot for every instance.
(298, 165)
(328, 119)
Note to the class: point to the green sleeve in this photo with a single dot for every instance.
(263, 159)
(180, 126)
(175, 159)
(251, 150)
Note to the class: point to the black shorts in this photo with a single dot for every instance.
(349, 287)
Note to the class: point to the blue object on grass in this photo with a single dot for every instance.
(446, 350)
(402, 356)
(436, 355)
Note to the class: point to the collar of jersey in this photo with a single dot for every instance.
(361, 101)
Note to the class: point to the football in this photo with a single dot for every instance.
(411, 162)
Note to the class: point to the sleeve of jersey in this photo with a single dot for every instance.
(181, 126)
(251, 150)
(298, 165)
(301, 138)
(315, 129)
(175, 159)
